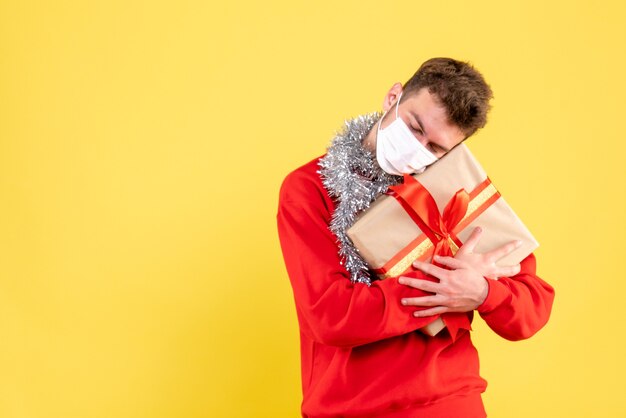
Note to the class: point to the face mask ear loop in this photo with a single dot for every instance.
(398, 103)
(383, 116)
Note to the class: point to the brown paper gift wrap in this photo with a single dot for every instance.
(389, 240)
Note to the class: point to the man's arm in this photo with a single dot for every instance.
(514, 307)
(518, 306)
(332, 309)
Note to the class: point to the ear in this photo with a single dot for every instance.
(392, 96)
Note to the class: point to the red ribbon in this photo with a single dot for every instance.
(420, 205)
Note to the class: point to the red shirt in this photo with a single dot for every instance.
(360, 351)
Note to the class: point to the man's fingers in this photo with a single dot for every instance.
(421, 284)
(430, 311)
(434, 300)
(506, 249)
(468, 246)
(508, 271)
(450, 262)
(431, 269)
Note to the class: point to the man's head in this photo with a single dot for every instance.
(445, 102)
(458, 87)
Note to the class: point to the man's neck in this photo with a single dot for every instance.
(369, 142)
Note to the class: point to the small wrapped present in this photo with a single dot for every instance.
(434, 213)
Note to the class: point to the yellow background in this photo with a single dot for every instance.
(142, 145)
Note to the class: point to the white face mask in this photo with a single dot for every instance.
(398, 151)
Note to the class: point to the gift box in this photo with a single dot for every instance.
(434, 213)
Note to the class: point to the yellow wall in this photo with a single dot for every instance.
(142, 144)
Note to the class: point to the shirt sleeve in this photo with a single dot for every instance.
(517, 307)
(331, 309)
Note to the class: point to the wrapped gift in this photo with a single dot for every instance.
(434, 213)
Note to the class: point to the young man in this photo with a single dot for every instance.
(361, 353)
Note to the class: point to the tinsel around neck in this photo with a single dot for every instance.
(352, 176)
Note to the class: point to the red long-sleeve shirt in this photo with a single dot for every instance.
(360, 351)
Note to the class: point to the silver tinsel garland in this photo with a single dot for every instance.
(351, 174)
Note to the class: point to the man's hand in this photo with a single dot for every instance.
(459, 290)
(485, 264)
(463, 288)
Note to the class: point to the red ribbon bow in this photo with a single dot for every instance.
(420, 205)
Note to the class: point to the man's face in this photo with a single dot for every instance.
(428, 120)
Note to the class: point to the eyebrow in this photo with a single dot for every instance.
(419, 122)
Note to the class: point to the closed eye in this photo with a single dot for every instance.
(418, 130)
(436, 148)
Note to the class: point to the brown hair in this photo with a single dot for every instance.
(459, 87)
